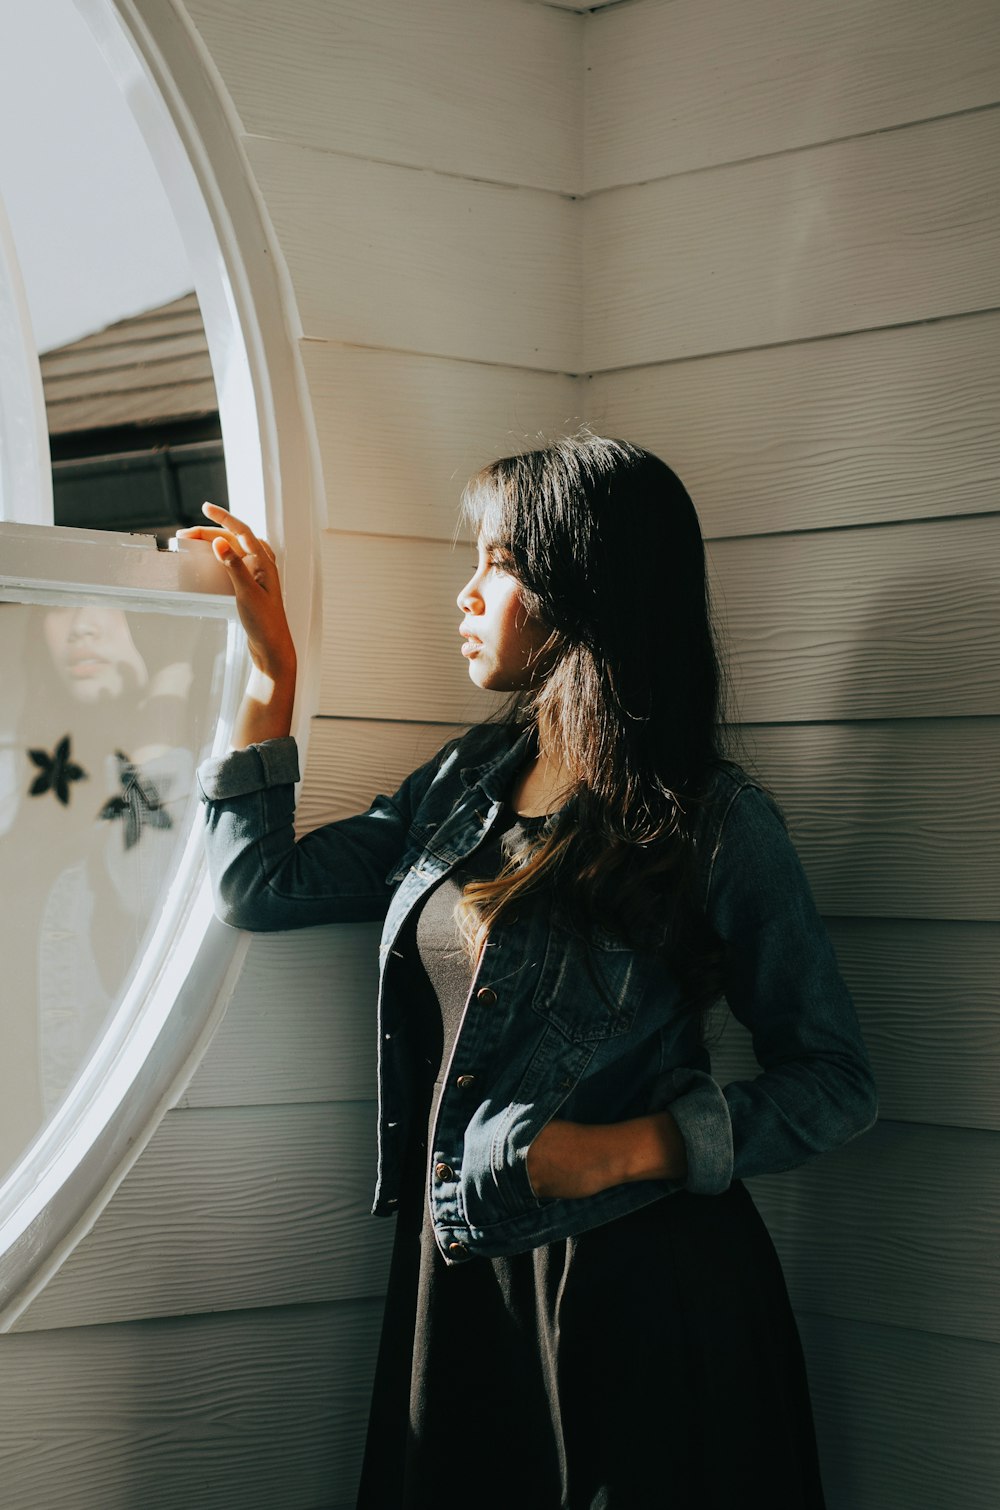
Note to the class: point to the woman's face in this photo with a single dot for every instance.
(501, 641)
(93, 651)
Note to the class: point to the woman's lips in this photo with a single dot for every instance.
(87, 666)
(472, 645)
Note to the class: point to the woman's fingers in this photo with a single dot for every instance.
(201, 532)
(223, 542)
(233, 526)
(238, 536)
(260, 563)
(225, 546)
(233, 541)
(259, 566)
(254, 575)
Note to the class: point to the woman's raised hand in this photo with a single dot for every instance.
(256, 587)
(266, 710)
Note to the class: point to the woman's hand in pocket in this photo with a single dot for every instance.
(569, 1160)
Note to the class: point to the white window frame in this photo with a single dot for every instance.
(161, 1018)
(141, 1067)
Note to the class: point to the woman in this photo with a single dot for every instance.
(584, 1307)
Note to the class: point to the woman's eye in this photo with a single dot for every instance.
(491, 560)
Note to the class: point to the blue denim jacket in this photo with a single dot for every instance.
(537, 1040)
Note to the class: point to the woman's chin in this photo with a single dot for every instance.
(480, 677)
(483, 677)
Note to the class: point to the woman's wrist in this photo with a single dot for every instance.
(572, 1159)
(266, 710)
(647, 1148)
(277, 660)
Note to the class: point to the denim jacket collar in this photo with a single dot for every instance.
(494, 776)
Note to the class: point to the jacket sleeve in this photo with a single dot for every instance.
(783, 983)
(263, 879)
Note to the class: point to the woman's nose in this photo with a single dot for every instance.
(82, 626)
(468, 599)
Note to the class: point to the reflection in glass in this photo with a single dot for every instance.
(104, 716)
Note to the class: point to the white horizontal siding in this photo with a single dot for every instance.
(261, 1410)
(301, 1026)
(877, 1231)
(400, 435)
(391, 647)
(232, 1209)
(893, 819)
(857, 429)
(906, 1420)
(712, 81)
(352, 760)
(876, 231)
(880, 425)
(482, 88)
(890, 621)
(381, 255)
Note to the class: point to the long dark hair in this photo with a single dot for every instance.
(606, 546)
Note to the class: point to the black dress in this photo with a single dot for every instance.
(650, 1362)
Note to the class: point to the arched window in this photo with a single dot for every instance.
(122, 667)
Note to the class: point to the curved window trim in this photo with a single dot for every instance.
(55, 1194)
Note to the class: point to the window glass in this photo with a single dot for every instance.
(105, 714)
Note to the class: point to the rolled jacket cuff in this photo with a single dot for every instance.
(702, 1115)
(272, 763)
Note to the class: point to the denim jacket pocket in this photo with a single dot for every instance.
(495, 1184)
(590, 988)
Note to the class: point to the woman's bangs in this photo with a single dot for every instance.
(483, 510)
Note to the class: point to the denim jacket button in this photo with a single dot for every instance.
(458, 1250)
(464, 1081)
(486, 995)
(444, 1172)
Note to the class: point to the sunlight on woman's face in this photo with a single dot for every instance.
(501, 641)
(93, 651)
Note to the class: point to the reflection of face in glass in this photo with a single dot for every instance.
(94, 653)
